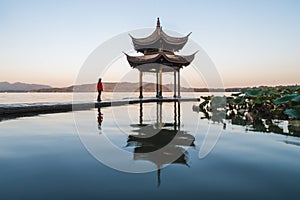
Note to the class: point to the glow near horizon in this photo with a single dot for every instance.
(250, 42)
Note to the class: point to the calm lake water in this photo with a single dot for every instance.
(17, 98)
(43, 157)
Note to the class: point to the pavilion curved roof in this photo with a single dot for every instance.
(159, 39)
(147, 145)
(165, 58)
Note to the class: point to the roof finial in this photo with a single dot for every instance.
(158, 23)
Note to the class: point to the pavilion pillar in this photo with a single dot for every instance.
(157, 115)
(178, 74)
(141, 114)
(174, 83)
(160, 83)
(157, 85)
(178, 115)
(141, 85)
(175, 116)
(160, 115)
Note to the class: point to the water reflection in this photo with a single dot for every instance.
(161, 143)
(257, 124)
(99, 119)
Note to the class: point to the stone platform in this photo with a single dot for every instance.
(9, 111)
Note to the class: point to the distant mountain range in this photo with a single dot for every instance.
(20, 87)
(108, 87)
(122, 87)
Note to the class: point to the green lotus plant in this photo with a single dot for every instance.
(252, 106)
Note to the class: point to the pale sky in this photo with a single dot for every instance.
(250, 42)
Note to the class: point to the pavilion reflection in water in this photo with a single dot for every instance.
(160, 143)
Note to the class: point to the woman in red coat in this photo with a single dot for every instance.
(100, 89)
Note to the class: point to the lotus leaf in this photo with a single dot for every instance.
(239, 100)
(294, 112)
(285, 99)
(254, 92)
(218, 102)
(296, 99)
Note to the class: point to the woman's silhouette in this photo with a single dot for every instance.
(100, 89)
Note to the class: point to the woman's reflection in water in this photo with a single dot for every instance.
(99, 119)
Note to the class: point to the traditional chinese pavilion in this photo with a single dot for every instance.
(159, 56)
